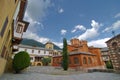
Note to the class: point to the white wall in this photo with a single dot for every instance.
(43, 52)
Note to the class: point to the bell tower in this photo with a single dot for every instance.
(49, 45)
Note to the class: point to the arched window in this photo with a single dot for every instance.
(76, 60)
(69, 61)
(89, 60)
(84, 60)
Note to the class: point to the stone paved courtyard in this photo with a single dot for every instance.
(38, 73)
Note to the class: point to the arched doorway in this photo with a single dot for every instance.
(39, 64)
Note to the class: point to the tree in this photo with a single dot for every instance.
(65, 55)
(46, 61)
(21, 61)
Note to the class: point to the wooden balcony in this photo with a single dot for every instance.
(19, 29)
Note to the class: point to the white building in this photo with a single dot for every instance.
(37, 53)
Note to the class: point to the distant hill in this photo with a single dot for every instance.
(56, 47)
(32, 42)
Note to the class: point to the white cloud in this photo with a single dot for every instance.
(78, 27)
(117, 15)
(34, 25)
(31, 35)
(36, 9)
(92, 32)
(114, 26)
(59, 44)
(98, 43)
(63, 32)
(60, 10)
(35, 12)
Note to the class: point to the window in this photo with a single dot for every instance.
(107, 57)
(15, 1)
(6, 55)
(69, 61)
(4, 27)
(19, 28)
(84, 60)
(31, 58)
(25, 49)
(50, 47)
(38, 51)
(89, 60)
(44, 52)
(8, 35)
(33, 51)
(3, 51)
(76, 60)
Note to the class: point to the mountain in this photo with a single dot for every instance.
(56, 47)
(32, 42)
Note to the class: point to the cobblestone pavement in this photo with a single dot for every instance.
(40, 75)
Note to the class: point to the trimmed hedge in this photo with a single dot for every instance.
(21, 61)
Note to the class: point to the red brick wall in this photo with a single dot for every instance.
(94, 62)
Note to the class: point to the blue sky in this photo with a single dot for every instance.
(91, 20)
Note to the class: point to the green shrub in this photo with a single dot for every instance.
(109, 65)
(46, 61)
(21, 61)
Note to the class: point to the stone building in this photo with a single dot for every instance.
(12, 27)
(80, 55)
(105, 54)
(114, 50)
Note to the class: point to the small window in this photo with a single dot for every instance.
(19, 28)
(31, 58)
(50, 47)
(44, 52)
(32, 51)
(15, 1)
(38, 51)
(25, 49)
(76, 60)
(4, 27)
(3, 51)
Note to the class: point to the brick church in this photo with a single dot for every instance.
(80, 55)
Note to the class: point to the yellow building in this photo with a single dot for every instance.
(12, 27)
(49, 45)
